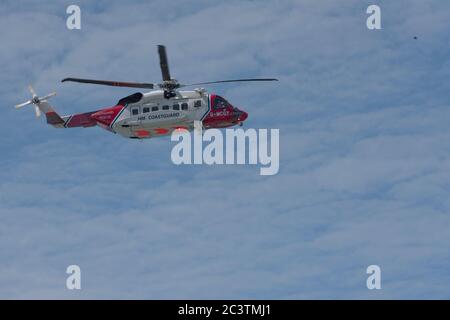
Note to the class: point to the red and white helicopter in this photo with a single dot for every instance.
(152, 114)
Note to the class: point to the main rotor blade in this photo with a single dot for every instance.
(226, 81)
(112, 83)
(163, 63)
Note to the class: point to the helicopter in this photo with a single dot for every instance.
(155, 113)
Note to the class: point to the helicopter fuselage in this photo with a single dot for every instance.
(149, 115)
(152, 114)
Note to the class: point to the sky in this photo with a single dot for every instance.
(364, 153)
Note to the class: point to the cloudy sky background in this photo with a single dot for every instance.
(364, 141)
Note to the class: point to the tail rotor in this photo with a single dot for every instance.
(35, 101)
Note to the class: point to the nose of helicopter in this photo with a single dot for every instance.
(242, 116)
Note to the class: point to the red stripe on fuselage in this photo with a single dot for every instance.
(107, 116)
(81, 120)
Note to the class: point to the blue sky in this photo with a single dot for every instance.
(364, 153)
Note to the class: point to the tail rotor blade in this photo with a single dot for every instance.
(18, 106)
(48, 96)
(32, 91)
(38, 111)
(163, 63)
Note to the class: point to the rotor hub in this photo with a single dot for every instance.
(169, 85)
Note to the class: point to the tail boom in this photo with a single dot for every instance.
(104, 118)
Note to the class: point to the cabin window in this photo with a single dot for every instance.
(184, 106)
(176, 106)
(198, 103)
(146, 110)
(155, 108)
(135, 111)
(165, 107)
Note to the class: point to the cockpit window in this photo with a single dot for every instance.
(220, 103)
(134, 98)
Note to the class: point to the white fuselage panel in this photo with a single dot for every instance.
(154, 115)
